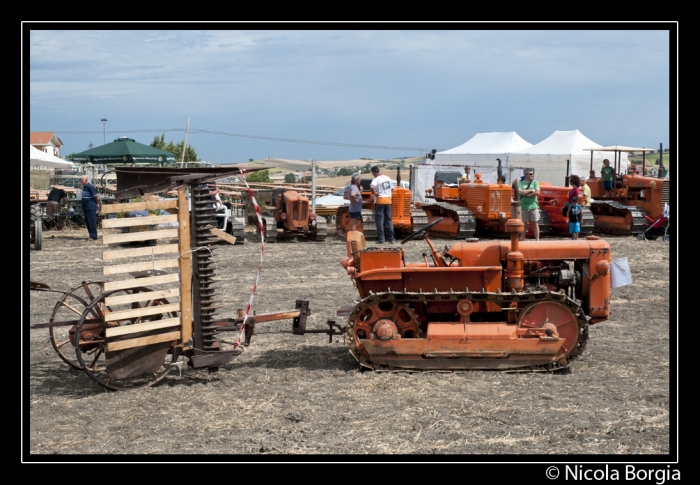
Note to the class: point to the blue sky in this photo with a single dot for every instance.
(345, 94)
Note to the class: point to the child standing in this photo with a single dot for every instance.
(574, 216)
(608, 174)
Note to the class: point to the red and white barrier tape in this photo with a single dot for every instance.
(262, 251)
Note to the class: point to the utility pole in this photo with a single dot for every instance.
(104, 130)
(184, 144)
(313, 186)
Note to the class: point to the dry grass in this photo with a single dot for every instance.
(39, 179)
(301, 395)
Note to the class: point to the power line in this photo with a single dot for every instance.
(256, 137)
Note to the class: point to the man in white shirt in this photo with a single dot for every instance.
(381, 191)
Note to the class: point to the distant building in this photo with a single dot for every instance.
(46, 141)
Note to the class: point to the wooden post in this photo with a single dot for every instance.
(183, 219)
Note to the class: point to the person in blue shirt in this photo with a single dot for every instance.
(89, 202)
(574, 216)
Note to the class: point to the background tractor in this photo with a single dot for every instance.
(291, 216)
(474, 208)
(635, 200)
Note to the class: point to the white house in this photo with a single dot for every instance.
(46, 141)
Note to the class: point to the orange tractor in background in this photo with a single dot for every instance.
(477, 304)
(404, 218)
(291, 216)
(636, 202)
(468, 209)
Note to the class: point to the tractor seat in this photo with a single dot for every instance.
(356, 243)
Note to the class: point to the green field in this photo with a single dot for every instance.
(651, 158)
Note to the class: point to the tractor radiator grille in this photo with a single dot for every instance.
(665, 192)
(401, 205)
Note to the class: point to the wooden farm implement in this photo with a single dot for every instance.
(156, 307)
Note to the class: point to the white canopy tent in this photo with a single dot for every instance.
(549, 157)
(43, 159)
(483, 149)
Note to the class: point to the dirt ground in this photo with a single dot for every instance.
(301, 395)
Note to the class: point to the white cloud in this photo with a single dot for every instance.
(446, 83)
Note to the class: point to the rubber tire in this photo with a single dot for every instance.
(37, 234)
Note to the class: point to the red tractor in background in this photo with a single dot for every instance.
(553, 198)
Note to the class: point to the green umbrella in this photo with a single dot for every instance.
(123, 150)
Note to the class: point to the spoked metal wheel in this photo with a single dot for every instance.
(118, 357)
(384, 316)
(68, 310)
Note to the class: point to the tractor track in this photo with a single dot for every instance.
(504, 299)
(618, 209)
(467, 222)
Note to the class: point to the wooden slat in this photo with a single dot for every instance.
(137, 282)
(143, 266)
(139, 236)
(222, 235)
(141, 312)
(139, 206)
(139, 342)
(137, 221)
(132, 253)
(141, 296)
(185, 264)
(141, 327)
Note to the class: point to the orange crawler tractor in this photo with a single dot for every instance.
(291, 217)
(477, 305)
(473, 208)
(634, 201)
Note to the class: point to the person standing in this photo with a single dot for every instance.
(608, 173)
(89, 202)
(55, 201)
(585, 194)
(467, 177)
(528, 191)
(355, 198)
(381, 191)
(575, 183)
(574, 217)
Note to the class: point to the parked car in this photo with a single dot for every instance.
(332, 200)
(336, 199)
(404, 184)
